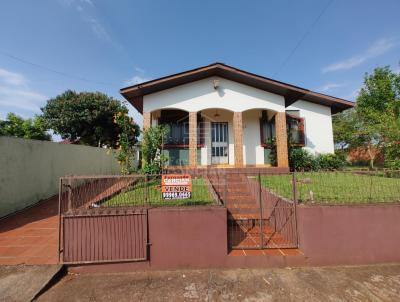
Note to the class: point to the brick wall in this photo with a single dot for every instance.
(281, 140)
(238, 138)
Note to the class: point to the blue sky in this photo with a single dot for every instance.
(99, 45)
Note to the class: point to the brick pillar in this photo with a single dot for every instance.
(192, 139)
(281, 140)
(238, 138)
(146, 120)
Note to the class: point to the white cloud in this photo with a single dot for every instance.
(83, 7)
(136, 79)
(377, 49)
(16, 96)
(328, 87)
(11, 78)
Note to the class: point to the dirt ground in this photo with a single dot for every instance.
(358, 283)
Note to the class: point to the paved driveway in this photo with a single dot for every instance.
(31, 236)
(362, 283)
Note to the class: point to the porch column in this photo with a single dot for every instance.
(146, 120)
(281, 140)
(238, 138)
(192, 139)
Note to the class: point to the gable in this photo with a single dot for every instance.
(290, 93)
(201, 95)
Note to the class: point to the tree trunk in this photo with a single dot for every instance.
(371, 157)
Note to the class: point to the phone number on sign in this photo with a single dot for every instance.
(176, 195)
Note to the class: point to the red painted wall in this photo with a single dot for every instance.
(187, 237)
(332, 235)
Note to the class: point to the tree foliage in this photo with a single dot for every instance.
(374, 123)
(16, 126)
(153, 159)
(127, 140)
(87, 116)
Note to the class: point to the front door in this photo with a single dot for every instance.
(219, 143)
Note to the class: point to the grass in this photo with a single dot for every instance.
(336, 187)
(149, 194)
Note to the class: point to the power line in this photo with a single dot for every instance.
(303, 38)
(55, 71)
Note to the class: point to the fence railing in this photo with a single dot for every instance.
(261, 206)
(89, 192)
(338, 187)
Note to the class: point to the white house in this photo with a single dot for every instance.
(220, 115)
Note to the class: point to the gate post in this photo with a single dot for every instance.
(261, 212)
(294, 188)
(69, 186)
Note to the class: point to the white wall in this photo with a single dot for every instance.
(236, 97)
(30, 169)
(253, 153)
(318, 126)
(201, 95)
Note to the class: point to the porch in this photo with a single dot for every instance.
(219, 138)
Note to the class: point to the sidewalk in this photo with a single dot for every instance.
(356, 283)
(31, 236)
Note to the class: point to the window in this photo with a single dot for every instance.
(177, 123)
(267, 129)
(294, 126)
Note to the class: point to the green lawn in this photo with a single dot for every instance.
(150, 194)
(335, 187)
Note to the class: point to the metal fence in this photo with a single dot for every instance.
(338, 187)
(89, 192)
(104, 218)
(99, 213)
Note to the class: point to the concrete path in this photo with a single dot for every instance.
(363, 283)
(31, 236)
(22, 283)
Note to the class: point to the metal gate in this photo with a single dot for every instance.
(259, 218)
(98, 235)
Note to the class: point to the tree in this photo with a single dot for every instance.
(153, 159)
(87, 116)
(15, 125)
(375, 121)
(127, 140)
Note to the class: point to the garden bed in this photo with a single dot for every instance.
(336, 187)
(149, 194)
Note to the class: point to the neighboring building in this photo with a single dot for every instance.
(220, 115)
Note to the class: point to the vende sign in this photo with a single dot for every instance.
(176, 186)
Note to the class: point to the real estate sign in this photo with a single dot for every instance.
(176, 186)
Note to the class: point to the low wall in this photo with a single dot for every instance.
(188, 237)
(333, 235)
(30, 169)
(181, 237)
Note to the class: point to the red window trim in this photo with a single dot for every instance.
(301, 131)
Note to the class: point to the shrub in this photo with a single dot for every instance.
(153, 158)
(302, 160)
(330, 162)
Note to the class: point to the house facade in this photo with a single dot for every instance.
(218, 115)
